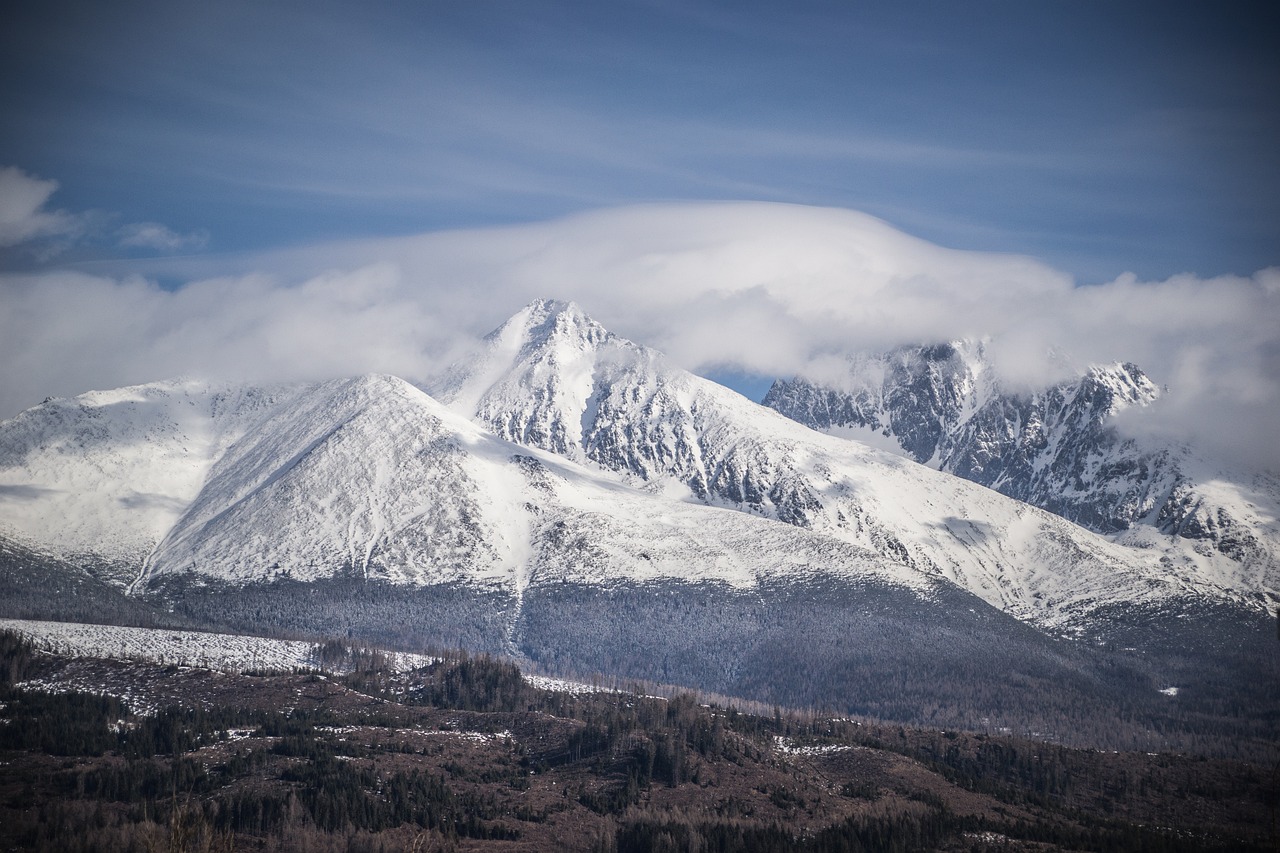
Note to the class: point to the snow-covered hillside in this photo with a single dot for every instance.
(104, 476)
(214, 651)
(230, 652)
(553, 378)
(1057, 448)
(373, 478)
(562, 454)
(363, 475)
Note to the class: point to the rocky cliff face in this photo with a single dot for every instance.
(917, 396)
(554, 379)
(1057, 448)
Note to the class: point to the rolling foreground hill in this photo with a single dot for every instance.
(568, 498)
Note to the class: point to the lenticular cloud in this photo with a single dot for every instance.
(768, 289)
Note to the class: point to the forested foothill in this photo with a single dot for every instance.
(853, 649)
(466, 754)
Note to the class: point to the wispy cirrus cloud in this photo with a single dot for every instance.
(1103, 140)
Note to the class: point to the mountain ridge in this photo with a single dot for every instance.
(667, 429)
(575, 500)
(1059, 447)
(558, 425)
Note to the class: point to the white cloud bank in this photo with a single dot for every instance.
(763, 288)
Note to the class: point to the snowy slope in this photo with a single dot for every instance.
(370, 477)
(205, 650)
(561, 455)
(1056, 448)
(366, 477)
(103, 477)
(360, 475)
(552, 378)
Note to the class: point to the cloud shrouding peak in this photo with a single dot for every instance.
(763, 289)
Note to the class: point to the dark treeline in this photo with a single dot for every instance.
(404, 618)
(881, 654)
(305, 780)
(37, 586)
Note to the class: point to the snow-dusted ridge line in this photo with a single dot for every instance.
(103, 476)
(562, 454)
(1081, 448)
(371, 475)
(395, 487)
(552, 378)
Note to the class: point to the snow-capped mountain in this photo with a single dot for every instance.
(101, 478)
(561, 453)
(553, 378)
(367, 477)
(1057, 448)
(373, 478)
(570, 497)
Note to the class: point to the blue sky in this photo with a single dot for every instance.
(1097, 137)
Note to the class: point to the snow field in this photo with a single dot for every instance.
(228, 652)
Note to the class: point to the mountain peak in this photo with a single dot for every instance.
(553, 307)
(546, 320)
(534, 376)
(1055, 446)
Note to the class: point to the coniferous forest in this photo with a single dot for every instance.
(464, 754)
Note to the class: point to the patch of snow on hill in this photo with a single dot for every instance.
(165, 646)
